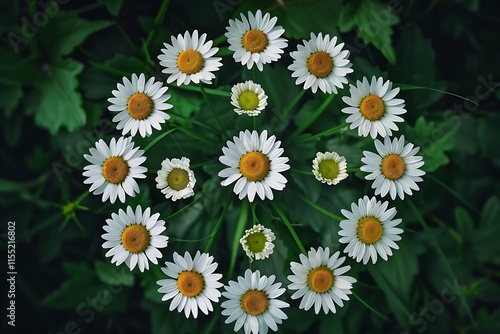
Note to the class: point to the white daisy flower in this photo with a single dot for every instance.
(139, 105)
(256, 162)
(320, 64)
(320, 281)
(369, 230)
(253, 304)
(248, 98)
(258, 242)
(373, 108)
(395, 169)
(134, 237)
(114, 168)
(255, 40)
(329, 167)
(189, 58)
(175, 179)
(193, 285)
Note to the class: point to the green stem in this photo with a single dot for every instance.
(453, 192)
(160, 16)
(300, 171)
(209, 91)
(290, 228)
(305, 124)
(181, 210)
(202, 89)
(216, 228)
(320, 209)
(353, 169)
(294, 102)
(369, 307)
(157, 139)
(240, 228)
(326, 132)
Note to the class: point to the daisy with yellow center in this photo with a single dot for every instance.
(255, 40)
(248, 98)
(139, 105)
(373, 108)
(189, 58)
(134, 237)
(370, 230)
(320, 281)
(395, 169)
(320, 63)
(114, 168)
(258, 242)
(329, 167)
(252, 303)
(193, 284)
(175, 180)
(254, 161)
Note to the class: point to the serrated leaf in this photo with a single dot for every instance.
(110, 274)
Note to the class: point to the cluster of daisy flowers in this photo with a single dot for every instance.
(254, 163)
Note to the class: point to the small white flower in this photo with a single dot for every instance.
(373, 108)
(139, 105)
(369, 230)
(329, 167)
(193, 284)
(189, 58)
(252, 303)
(258, 242)
(248, 98)
(255, 40)
(134, 237)
(319, 63)
(395, 169)
(175, 179)
(114, 168)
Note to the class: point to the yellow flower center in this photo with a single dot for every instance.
(393, 166)
(256, 242)
(248, 100)
(320, 279)
(115, 170)
(178, 179)
(140, 106)
(190, 62)
(254, 302)
(190, 283)
(254, 41)
(329, 169)
(254, 166)
(370, 230)
(372, 107)
(135, 238)
(320, 64)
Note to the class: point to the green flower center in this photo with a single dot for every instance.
(329, 169)
(178, 179)
(256, 242)
(248, 100)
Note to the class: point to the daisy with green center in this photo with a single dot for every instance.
(140, 105)
(255, 40)
(252, 303)
(395, 169)
(248, 98)
(320, 281)
(189, 58)
(320, 63)
(175, 179)
(370, 230)
(373, 108)
(254, 161)
(134, 237)
(258, 242)
(329, 167)
(114, 168)
(193, 284)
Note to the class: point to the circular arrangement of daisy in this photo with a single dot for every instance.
(248, 98)
(320, 63)
(114, 168)
(370, 230)
(252, 303)
(395, 169)
(140, 105)
(134, 237)
(258, 242)
(254, 161)
(189, 58)
(193, 284)
(255, 40)
(320, 281)
(373, 108)
(329, 168)
(175, 179)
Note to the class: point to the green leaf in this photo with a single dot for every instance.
(487, 134)
(374, 21)
(113, 6)
(465, 225)
(110, 274)
(10, 95)
(485, 242)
